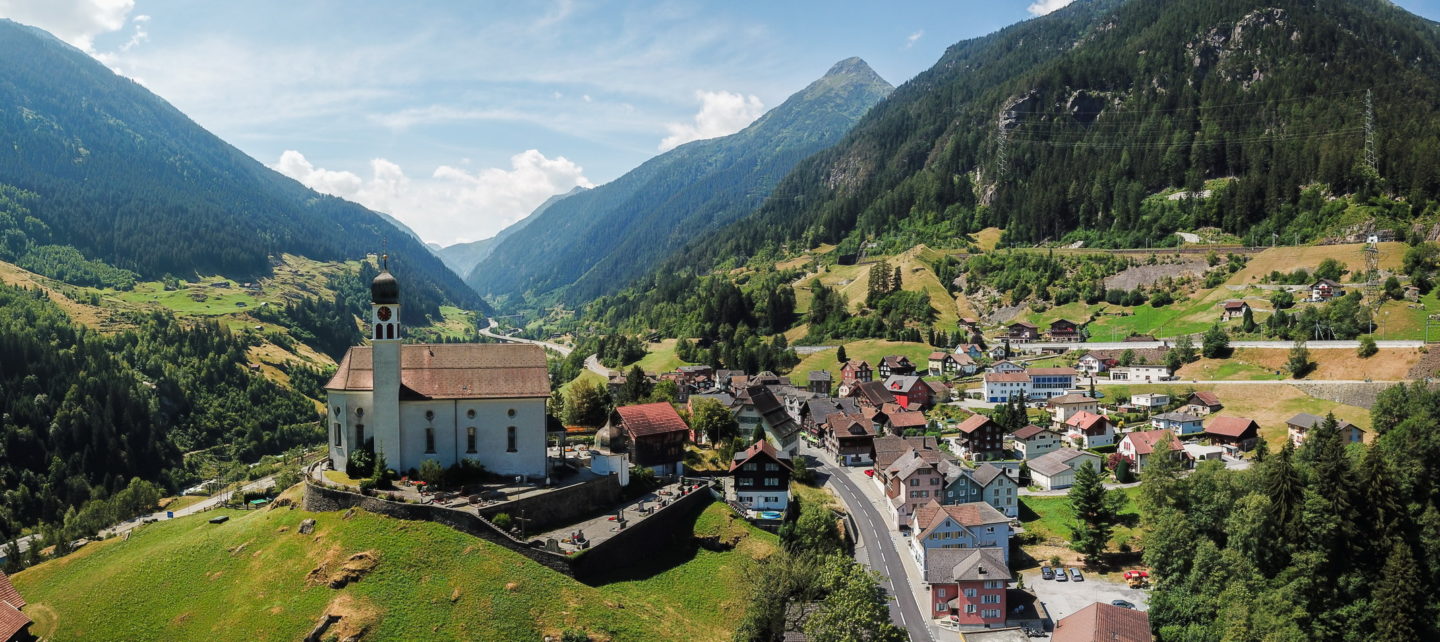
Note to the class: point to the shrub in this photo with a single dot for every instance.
(502, 521)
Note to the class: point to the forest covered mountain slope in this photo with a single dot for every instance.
(461, 258)
(594, 243)
(125, 178)
(1106, 102)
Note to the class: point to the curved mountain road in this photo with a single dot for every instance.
(592, 362)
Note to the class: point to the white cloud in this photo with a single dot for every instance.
(1042, 7)
(452, 205)
(74, 21)
(721, 114)
(914, 38)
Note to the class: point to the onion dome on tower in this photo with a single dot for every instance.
(384, 289)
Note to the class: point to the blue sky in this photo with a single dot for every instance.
(461, 117)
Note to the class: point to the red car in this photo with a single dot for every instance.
(869, 472)
(1136, 574)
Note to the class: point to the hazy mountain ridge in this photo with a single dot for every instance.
(596, 242)
(461, 258)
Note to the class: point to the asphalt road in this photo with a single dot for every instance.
(592, 363)
(875, 533)
(1170, 342)
(130, 524)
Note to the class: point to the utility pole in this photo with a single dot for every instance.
(1370, 160)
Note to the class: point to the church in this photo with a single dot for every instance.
(447, 402)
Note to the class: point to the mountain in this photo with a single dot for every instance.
(125, 178)
(461, 258)
(595, 242)
(1105, 103)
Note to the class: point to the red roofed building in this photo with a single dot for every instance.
(14, 625)
(899, 422)
(980, 436)
(909, 391)
(1103, 623)
(1088, 430)
(1235, 432)
(1138, 446)
(656, 435)
(762, 477)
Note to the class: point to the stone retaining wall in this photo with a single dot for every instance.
(665, 527)
(1352, 394)
(560, 507)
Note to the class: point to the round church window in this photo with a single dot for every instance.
(429, 415)
(359, 412)
(511, 412)
(470, 413)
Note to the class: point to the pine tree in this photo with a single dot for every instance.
(1282, 483)
(1299, 363)
(1398, 598)
(1247, 321)
(1185, 347)
(840, 355)
(1216, 343)
(1095, 513)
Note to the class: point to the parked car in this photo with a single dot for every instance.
(1075, 575)
(1060, 575)
(1047, 573)
(1123, 604)
(869, 472)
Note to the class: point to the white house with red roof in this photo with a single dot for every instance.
(1086, 429)
(1033, 441)
(762, 477)
(968, 585)
(1138, 446)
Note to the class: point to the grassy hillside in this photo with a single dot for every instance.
(871, 350)
(247, 579)
(1268, 404)
(1253, 363)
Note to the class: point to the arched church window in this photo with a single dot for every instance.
(430, 440)
(379, 331)
(390, 331)
(470, 438)
(510, 439)
(359, 436)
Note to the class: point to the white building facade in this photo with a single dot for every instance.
(448, 402)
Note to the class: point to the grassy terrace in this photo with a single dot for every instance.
(247, 579)
(1051, 517)
(870, 350)
(1268, 404)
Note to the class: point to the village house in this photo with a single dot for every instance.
(1233, 310)
(967, 584)
(966, 365)
(1103, 623)
(1150, 401)
(856, 371)
(972, 350)
(980, 437)
(898, 421)
(999, 352)
(1202, 403)
(1325, 289)
(968, 525)
(725, 380)
(761, 412)
(1182, 424)
(1046, 383)
(1065, 406)
(1139, 445)
(1064, 330)
(762, 477)
(1235, 433)
(984, 483)
(1000, 387)
(1089, 430)
(916, 478)
(817, 412)
(1056, 470)
(942, 364)
(909, 391)
(895, 365)
(483, 403)
(940, 392)
(819, 382)
(14, 624)
(1300, 425)
(1006, 367)
(1092, 364)
(888, 448)
(1022, 332)
(1142, 373)
(1033, 441)
(615, 383)
(849, 438)
(871, 394)
(654, 435)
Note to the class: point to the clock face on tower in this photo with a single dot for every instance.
(383, 313)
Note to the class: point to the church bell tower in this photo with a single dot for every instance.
(385, 345)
